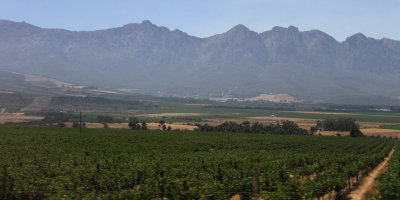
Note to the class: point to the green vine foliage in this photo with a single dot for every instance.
(389, 182)
(61, 163)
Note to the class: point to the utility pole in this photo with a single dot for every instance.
(80, 123)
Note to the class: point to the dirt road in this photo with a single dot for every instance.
(368, 181)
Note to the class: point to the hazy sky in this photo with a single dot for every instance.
(339, 18)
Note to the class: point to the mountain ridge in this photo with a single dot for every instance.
(240, 62)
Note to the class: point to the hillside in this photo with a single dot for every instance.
(146, 58)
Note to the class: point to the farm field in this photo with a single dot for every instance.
(55, 163)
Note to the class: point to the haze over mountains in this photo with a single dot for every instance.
(240, 62)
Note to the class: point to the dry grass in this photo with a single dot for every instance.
(272, 98)
(37, 78)
(17, 117)
(6, 92)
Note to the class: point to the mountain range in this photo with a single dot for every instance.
(145, 58)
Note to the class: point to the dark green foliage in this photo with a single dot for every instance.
(60, 124)
(104, 119)
(356, 132)
(59, 163)
(56, 117)
(286, 128)
(144, 125)
(313, 129)
(134, 124)
(342, 124)
(75, 124)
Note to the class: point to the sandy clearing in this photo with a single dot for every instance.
(170, 114)
(368, 181)
(17, 117)
(262, 97)
(37, 78)
(380, 132)
(6, 92)
(272, 98)
(104, 91)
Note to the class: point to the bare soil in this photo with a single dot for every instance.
(272, 98)
(17, 117)
(367, 183)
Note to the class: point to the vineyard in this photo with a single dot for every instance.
(389, 182)
(56, 163)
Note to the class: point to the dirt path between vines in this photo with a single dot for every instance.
(368, 182)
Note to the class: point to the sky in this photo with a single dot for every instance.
(203, 18)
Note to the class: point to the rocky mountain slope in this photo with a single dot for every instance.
(155, 60)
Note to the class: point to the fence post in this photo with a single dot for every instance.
(5, 182)
(256, 184)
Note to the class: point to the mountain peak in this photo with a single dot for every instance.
(357, 39)
(239, 28)
(290, 29)
(147, 22)
(293, 29)
(357, 36)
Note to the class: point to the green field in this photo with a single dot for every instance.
(396, 127)
(56, 163)
(211, 112)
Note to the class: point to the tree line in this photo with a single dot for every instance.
(286, 128)
(341, 124)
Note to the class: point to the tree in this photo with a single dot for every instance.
(144, 125)
(313, 129)
(134, 124)
(161, 123)
(356, 132)
(60, 124)
(104, 119)
(75, 124)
